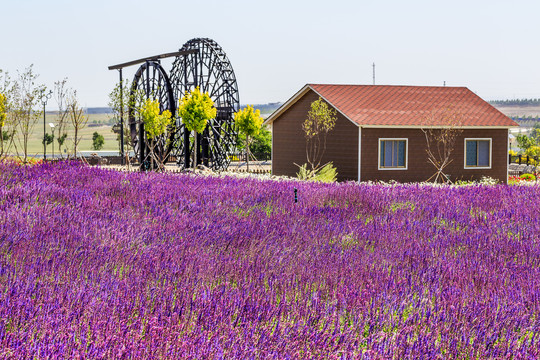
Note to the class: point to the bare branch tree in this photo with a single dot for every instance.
(77, 117)
(25, 109)
(443, 127)
(61, 96)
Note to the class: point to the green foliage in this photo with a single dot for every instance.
(248, 121)
(535, 132)
(61, 139)
(119, 101)
(528, 177)
(6, 135)
(524, 142)
(259, 144)
(484, 180)
(321, 119)
(304, 173)
(195, 109)
(262, 142)
(533, 150)
(47, 139)
(97, 141)
(155, 123)
(326, 174)
(3, 109)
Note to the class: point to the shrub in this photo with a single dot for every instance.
(326, 174)
(97, 141)
(528, 177)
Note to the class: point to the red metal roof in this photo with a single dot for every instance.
(387, 105)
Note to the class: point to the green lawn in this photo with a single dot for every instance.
(96, 123)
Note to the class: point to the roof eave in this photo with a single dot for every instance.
(277, 113)
(441, 126)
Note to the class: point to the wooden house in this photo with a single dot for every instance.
(379, 134)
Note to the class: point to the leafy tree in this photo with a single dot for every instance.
(249, 122)
(535, 132)
(8, 128)
(524, 142)
(155, 125)
(3, 109)
(195, 109)
(321, 119)
(97, 141)
(3, 116)
(120, 103)
(61, 140)
(47, 139)
(261, 143)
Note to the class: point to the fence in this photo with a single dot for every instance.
(522, 164)
(241, 156)
(523, 159)
(253, 171)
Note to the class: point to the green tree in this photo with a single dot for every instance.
(97, 141)
(524, 142)
(47, 139)
(121, 102)
(155, 125)
(61, 141)
(535, 131)
(195, 109)
(3, 117)
(321, 119)
(248, 122)
(8, 128)
(261, 143)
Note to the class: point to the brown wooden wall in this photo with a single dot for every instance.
(289, 142)
(418, 167)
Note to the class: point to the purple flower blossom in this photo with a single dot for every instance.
(104, 264)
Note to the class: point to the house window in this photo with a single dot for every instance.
(478, 153)
(392, 154)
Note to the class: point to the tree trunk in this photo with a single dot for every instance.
(247, 153)
(75, 149)
(196, 151)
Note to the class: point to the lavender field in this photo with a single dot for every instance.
(102, 264)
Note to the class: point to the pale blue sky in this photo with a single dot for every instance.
(275, 47)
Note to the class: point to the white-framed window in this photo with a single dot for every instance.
(478, 153)
(393, 153)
